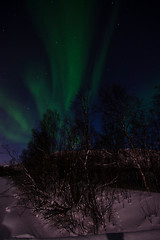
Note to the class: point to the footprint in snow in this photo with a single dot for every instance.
(7, 209)
(26, 235)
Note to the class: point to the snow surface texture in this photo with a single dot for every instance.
(136, 216)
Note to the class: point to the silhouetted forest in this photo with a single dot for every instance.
(72, 159)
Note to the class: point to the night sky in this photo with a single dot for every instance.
(50, 49)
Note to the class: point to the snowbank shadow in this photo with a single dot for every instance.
(4, 232)
(115, 236)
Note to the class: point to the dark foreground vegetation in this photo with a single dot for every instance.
(7, 171)
(70, 171)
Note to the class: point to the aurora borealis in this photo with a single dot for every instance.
(67, 30)
(65, 33)
(50, 49)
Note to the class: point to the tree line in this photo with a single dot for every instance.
(72, 161)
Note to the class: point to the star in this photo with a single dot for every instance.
(27, 108)
(3, 28)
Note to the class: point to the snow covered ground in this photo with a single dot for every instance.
(136, 216)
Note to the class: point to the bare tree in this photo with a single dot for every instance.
(120, 106)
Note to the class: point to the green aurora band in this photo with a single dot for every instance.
(67, 30)
(17, 124)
